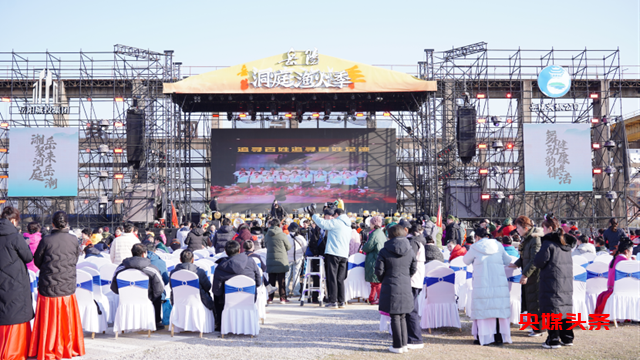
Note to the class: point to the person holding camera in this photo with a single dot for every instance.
(336, 252)
(295, 255)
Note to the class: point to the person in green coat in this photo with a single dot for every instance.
(372, 247)
(277, 259)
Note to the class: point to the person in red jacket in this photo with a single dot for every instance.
(507, 227)
(456, 250)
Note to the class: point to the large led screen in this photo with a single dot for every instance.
(252, 168)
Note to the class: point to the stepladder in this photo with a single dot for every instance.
(314, 280)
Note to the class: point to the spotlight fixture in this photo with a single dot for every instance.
(597, 171)
(315, 115)
(485, 196)
(612, 195)
(482, 146)
(6, 99)
(118, 176)
(482, 120)
(119, 99)
(117, 150)
(288, 115)
(509, 146)
(594, 95)
(497, 145)
(242, 115)
(508, 95)
(4, 125)
(104, 124)
(595, 146)
(483, 171)
(610, 144)
(495, 120)
(609, 170)
(229, 115)
(386, 113)
(118, 124)
(118, 201)
(480, 96)
(595, 120)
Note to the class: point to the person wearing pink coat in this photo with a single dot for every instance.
(33, 237)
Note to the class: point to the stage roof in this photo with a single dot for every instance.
(293, 72)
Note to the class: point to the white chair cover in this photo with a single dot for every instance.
(89, 317)
(176, 255)
(467, 306)
(589, 256)
(515, 292)
(605, 258)
(106, 275)
(597, 275)
(580, 260)
(428, 267)
(263, 255)
(188, 313)
(101, 300)
(201, 254)
(440, 307)
(579, 292)
(135, 310)
(98, 260)
(261, 301)
(460, 269)
(205, 264)
(86, 263)
(624, 302)
(240, 314)
(33, 283)
(218, 256)
(355, 286)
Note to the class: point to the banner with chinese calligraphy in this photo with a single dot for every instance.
(557, 157)
(43, 162)
(252, 168)
(299, 71)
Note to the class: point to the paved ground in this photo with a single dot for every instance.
(294, 332)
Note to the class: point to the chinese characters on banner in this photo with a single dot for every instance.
(557, 158)
(554, 321)
(305, 149)
(43, 160)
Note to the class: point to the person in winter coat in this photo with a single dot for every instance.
(556, 281)
(529, 247)
(140, 261)
(372, 247)
(431, 251)
(234, 264)
(430, 228)
(33, 237)
(56, 257)
(490, 303)
(186, 263)
(15, 291)
(508, 246)
(336, 253)
(244, 234)
(121, 246)
(395, 265)
(414, 331)
(507, 227)
(213, 204)
(456, 250)
(195, 239)
(452, 233)
(223, 235)
(182, 233)
(295, 256)
(277, 211)
(277, 261)
(584, 246)
(613, 234)
(354, 245)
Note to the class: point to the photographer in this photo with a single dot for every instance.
(338, 227)
(295, 255)
(317, 243)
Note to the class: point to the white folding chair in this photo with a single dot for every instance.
(102, 301)
(176, 255)
(624, 302)
(171, 264)
(201, 254)
(515, 292)
(189, 313)
(580, 260)
(460, 269)
(427, 267)
(355, 286)
(106, 275)
(263, 255)
(86, 263)
(240, 314)
(33, 284)
(589, 256)
(135, 310)
(604, 258)
(261, 301)
(440, 307)
(597, 275)
(579, 292)
(98, 260)
(88, 310)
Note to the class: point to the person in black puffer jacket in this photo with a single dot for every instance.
(15, 294)
(56, 257)
(556, 281)
(195, 239)
(431, 250)
(223, 235)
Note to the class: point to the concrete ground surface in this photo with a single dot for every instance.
(309, 332)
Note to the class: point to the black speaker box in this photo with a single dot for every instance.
(466, 133)
(135, 137)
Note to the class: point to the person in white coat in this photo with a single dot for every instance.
(490, 308)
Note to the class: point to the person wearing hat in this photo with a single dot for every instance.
(507, 227)
(216, 219)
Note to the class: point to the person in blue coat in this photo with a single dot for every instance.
(508, 246)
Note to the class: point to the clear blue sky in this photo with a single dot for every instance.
(373, 32)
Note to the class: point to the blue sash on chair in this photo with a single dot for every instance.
(87, 285)
(34, 286)
(580, 277)
(105, 282)
(124, 283)
(354, 265)
(622, 275)
(469, 275)
(171, 268)
(515, 279)
(193, 283)
(232, 289)
(585, 265)
(456, 268)
(451, 278)
(96, 280)
(591, 275)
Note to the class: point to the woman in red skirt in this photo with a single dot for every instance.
(57, 331)
(15, 293)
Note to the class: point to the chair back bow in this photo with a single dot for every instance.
(458, 268)
(105, 282)
(580, 277)
(33, 285)
(87, 285)
(232, 289)
(451, 278)
(141, 283)
(591, 275)
(515, 279)
(585, 265)
(354, 265)
(622, 275)
(96, 280)
(193, 283)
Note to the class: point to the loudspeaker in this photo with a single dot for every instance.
(466, 134)
(135, 137)
(462, 199)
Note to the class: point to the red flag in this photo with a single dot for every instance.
(439, 219)
(174, 216)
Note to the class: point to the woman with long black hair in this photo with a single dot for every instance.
(623, 252)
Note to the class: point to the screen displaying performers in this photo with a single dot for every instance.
(252, 167)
